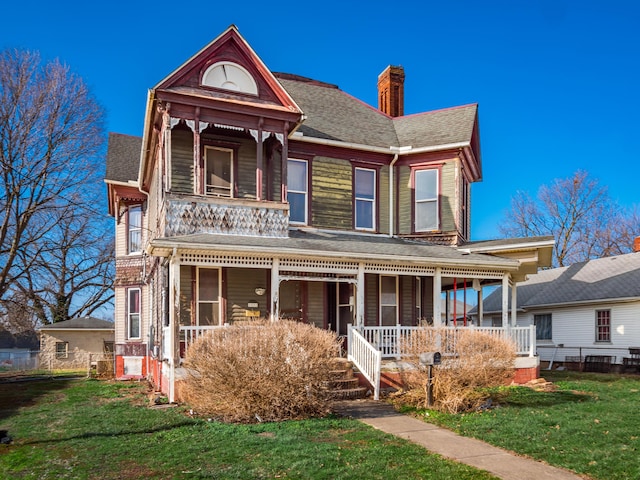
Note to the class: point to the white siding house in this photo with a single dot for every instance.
(590, 308)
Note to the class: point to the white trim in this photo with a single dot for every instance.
(230, 151)
(139, 313)
(373, 201)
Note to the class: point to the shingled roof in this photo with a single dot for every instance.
(605, 279)
(123, 157)
(332, 114)
(82, 323)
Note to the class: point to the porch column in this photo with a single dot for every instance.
(285, 157)
(360, 296)
(514, 304)
(174, 323)
(437, 293)
(275, 289)
(259, 161)
(505, 300)
(480, 308)
(197, 173)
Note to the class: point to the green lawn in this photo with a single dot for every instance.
(91, 429)
(590, 424)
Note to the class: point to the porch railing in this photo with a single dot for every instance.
(390, 339)
(366, 358)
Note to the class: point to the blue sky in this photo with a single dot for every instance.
(557, 81)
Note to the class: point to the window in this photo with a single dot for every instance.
(134, 228)
(208, 296)
(603, 325)
(297, 186)
(543, 326)
(365, 198)
(218, 172)
(62, 349)
(426, 200)
(133, 312)
(388, 300)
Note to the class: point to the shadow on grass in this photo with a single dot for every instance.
(89, 435)
(25, 392)
(523, 397)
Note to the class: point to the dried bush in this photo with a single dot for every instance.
(260, 371)
(477, 361)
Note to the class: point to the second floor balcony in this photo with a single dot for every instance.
(188, 215)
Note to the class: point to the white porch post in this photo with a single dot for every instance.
(437, 293)
(505, 300)
(174, 328)
(514, 304)
(360, 296)
(275, 290)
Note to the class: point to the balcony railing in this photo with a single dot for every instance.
(187, 215)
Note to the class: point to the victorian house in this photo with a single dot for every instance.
(260, 194)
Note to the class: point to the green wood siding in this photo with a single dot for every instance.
(404, 214)
(331, 202)
(245, 175)
(407, 308)
(181, 161)
(186, 295)
(315, 306)
(448, 202)
(383, 200)
(241, 285)
(371, 299)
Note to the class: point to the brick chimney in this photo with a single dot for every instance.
(636, 244)
(391, 91)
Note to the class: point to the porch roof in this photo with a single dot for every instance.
(349, 246)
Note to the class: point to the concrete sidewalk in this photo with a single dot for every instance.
(497, 461)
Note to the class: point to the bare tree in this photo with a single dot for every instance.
(580, 215)
(71, 269)
(51, 140)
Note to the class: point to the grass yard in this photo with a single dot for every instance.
(91, 429)
(590, 424)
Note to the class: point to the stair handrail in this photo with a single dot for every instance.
(366, 358)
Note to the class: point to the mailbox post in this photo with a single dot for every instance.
(429, 359)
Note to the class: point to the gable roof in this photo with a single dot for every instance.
(608, 279)
(82, 323)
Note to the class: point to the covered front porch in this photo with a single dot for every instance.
(384, 287)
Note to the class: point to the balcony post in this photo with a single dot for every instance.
(437, 293)
(275, 289)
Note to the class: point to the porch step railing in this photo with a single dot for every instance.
(389, 340)
(366, 358)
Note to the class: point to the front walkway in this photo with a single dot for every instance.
(501, 463)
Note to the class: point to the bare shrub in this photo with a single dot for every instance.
(471, 361)
(260, 371)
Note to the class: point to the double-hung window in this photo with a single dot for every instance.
(133, 313)
(543, 326)
(297, 190)
(62, 349)
(388, 300)
(365, 199)
(218, 171)
(426, 200)
(208, 296)
(603, 326)
(134, 229)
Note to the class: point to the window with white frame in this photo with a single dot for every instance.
(426, 200)
(297, 190)
(134, 229)
(208, 296)
(543, 326)
(603, 326)
(365, 198)
(388, 300)
(62, 349)
(218, 171)
(133, 313)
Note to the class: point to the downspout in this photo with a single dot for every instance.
(393, 162)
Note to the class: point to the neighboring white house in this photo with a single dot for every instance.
(589, 308)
